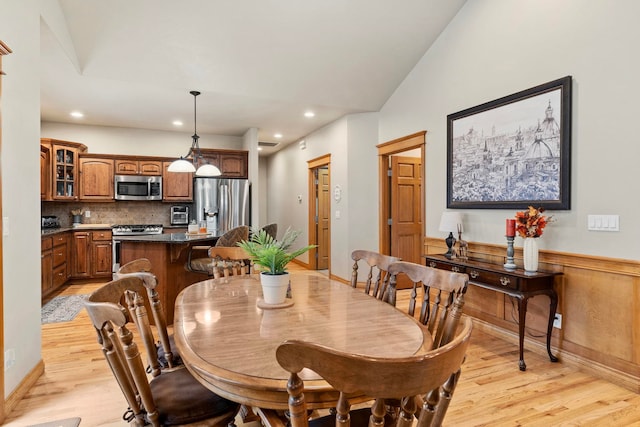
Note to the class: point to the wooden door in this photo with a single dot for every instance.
(406, 213)
(101, 259)
(323, 209)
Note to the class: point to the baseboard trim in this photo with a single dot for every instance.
(599, 370)
(25, 385)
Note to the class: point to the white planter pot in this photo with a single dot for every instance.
(274, 287)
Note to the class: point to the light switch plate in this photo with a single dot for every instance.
(603, 222)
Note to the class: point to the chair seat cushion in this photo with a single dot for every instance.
(181, 399)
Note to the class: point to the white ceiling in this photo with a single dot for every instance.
(258, 63)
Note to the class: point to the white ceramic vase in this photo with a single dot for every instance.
(274, 287)
(530, 254)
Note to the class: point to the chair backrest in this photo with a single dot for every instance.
(271, 230)
(172, 396)
(135, 266)
(233, 236)
(229, 261)
(377, 282)
(121, 291)
(442, 297)
(379, 378)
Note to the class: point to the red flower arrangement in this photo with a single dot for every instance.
(531, 223)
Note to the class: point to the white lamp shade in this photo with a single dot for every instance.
(181, 165)
(208, 170)
(449, 222)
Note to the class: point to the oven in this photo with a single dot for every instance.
(118, 231)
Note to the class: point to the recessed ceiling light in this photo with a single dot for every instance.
(77, 114)
(259, 148)
(277, 135)
(177, 123)
(309, 114)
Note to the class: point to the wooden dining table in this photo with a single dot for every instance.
(228, 342)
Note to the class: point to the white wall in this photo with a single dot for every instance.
(141, 142)
(20, 29)
(494, 48)
(351, 142)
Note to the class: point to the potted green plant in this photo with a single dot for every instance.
(271, 257)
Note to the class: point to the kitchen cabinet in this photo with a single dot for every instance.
(138, 167)
(96, 179)
(64, 168)
(92, 255)
(232, 163)
(176, 186)
(45, 172)
(54, 265)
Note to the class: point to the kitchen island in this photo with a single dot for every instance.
(168, 254)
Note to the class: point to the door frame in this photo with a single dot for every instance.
(385, 150)
(312, 165)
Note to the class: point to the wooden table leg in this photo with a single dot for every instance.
(522, 315)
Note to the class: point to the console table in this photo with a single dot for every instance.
(516, 283)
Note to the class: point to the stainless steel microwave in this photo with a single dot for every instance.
(138, 187)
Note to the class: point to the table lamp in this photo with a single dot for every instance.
(449, 222)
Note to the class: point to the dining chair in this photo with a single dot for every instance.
(172, 396)
(206, 264)
(377, 281)
(401, 379)
(229, 261)
(442, 297)
(272, 230)
(166, 348)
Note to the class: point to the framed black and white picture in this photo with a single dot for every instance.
(512, 152)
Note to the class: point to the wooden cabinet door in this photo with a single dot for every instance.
(46, 266)
(96, 179)
(234, 165)
(176, 186)
(81, 250)
(45, 173)
(138, 167)
(150, 167)
(101, 262)
(64, 162)
(126, 167)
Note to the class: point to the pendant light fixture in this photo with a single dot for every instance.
(186, 166)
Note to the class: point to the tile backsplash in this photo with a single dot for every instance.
(120, 212)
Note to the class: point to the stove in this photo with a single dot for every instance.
(136, 229)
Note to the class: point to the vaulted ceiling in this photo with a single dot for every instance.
(258, 63)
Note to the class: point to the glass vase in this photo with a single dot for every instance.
(530, 254)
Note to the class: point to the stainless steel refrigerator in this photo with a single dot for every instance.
(223, 203)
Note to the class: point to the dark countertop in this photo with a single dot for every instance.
(170, 238)
(51, 231)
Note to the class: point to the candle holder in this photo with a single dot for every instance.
(510, 265)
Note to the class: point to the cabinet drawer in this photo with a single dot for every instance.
(101, 235)
(46, 243)
(59, 255)
(59, 239)
(59, 275)
(445, 266)
(493, 278)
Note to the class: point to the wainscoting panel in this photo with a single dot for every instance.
(599, 299)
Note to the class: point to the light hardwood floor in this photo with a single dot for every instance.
(491, 392)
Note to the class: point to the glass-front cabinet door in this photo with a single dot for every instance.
(65, 168)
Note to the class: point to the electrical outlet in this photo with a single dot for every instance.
(9, 358)
(557, 321)
(87, 214)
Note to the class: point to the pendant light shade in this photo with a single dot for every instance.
(208, 170)
(182, 165)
